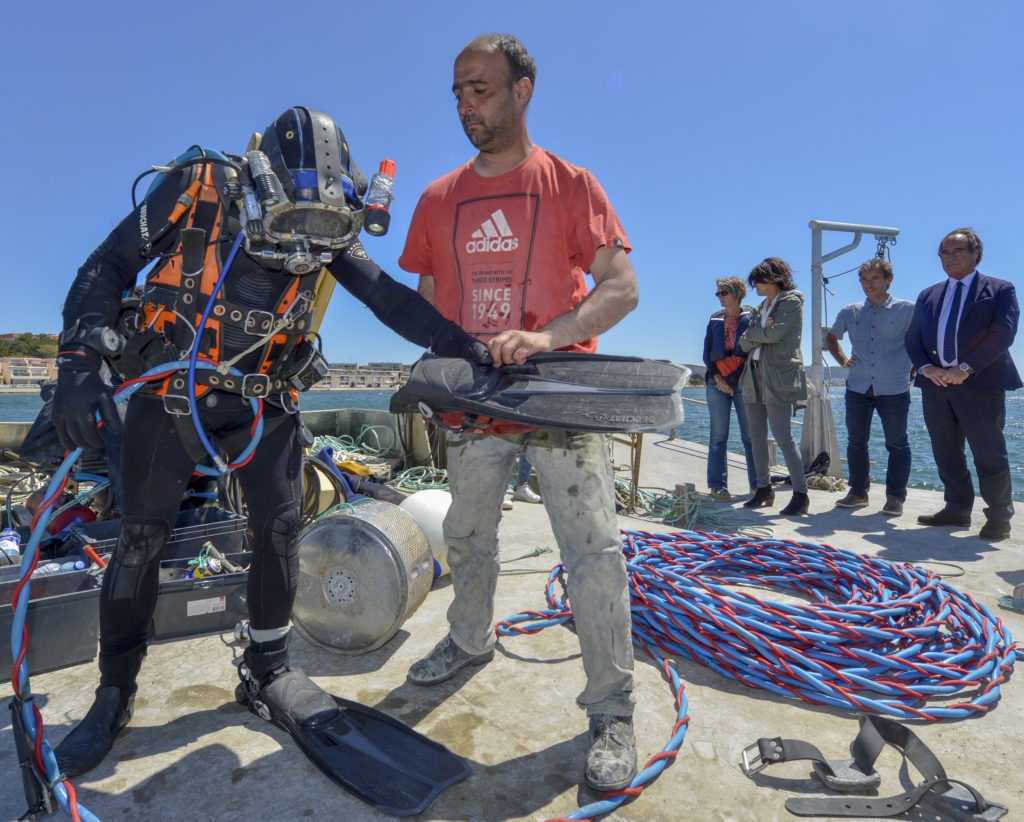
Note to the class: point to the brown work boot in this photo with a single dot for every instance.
(852, 500)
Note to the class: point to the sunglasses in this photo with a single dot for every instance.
(722, 293)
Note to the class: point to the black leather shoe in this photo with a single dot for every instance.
(945, 517)
(797, 505)
(993, 530)
(763, 497)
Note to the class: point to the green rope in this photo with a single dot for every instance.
(346, 507)
(681, 510)
(369, 442)
(420, 478)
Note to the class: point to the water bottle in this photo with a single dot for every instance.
(10, 546)
(46, 570)
(377, 217)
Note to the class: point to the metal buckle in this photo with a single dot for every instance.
(255, 386)
(753, 765)
(177, 405)
(288, 403)
(258, 323)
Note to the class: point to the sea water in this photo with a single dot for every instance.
(922, 469)
(25, 407)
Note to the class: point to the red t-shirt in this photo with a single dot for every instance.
(510, 252)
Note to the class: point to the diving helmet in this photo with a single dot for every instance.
(305, 201)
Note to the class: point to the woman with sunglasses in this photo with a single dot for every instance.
(774, 379)
(724, 361)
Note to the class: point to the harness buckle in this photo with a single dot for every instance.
(259, 323)
(255, 386)
(753, 764)
(177, 405)
(288, 402)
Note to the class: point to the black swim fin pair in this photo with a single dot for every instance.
(365, 751)
(566, 390)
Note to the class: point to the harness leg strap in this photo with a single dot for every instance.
(843, 775)
(937, 795)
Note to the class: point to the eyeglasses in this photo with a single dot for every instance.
(722, 293)
(950, 252)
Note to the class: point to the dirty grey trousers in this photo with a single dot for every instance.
(577, 487)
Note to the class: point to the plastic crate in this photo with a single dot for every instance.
(191, 529)
(189, 607)
(63, 619)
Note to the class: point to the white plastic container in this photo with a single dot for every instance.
(429, 508)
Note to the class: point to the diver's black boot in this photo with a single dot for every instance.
(277, 693)
(365, 751)
(84, 748)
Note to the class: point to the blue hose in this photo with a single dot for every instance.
(874, 637)
(21, 675)
(194, 356)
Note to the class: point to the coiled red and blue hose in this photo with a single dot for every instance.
(860, 633)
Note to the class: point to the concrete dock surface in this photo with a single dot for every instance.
(191, 752)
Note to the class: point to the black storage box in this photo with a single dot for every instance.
(188, 607)
(63, 619)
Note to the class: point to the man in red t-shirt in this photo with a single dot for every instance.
(502, 246)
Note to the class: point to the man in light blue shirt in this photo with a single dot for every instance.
(878, 380)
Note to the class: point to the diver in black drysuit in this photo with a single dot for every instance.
(157, 461)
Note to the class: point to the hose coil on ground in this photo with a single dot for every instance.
(869, 636)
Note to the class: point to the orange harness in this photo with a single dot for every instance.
(177, 292)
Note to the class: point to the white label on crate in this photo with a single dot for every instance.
(198, 607)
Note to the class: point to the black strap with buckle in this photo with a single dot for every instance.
(937, 794)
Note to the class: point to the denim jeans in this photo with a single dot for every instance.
(720, 407)
(525, 468)
(892, 411)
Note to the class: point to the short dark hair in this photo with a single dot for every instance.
(876, 264)
(973, 242)
(772, 270)
(520, 63)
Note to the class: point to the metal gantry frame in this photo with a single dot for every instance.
(882, 233)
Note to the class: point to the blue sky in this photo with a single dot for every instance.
(718, 129)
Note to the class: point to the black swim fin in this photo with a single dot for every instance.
(566, 390)
(368, 753)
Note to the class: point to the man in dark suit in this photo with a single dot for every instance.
(959, 340)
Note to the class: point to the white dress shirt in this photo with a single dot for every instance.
(947, 304)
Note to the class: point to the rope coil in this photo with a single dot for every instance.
(875, 637)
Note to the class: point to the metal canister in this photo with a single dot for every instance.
(362, 573)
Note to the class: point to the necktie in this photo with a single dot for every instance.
(949, 338)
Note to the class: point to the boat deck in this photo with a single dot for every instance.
(192, 753)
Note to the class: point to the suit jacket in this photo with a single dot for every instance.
(988, 324)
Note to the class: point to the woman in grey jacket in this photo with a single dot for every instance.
(774, 379)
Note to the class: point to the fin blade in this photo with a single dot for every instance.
(571, 391)
(381, 760)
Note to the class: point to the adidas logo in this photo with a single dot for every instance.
(493, 235)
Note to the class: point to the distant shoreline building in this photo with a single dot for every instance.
(26, 372)
(374, 375)
(31, 372)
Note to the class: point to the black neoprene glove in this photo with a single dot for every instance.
(81, 392)
(453, 341)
